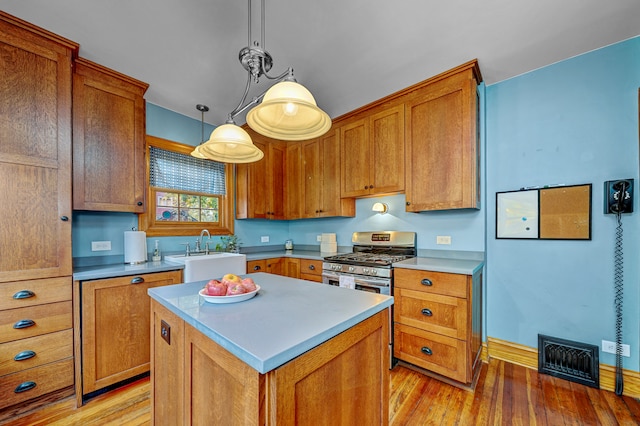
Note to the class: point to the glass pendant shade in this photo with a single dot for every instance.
(289, 112)
(229, 143)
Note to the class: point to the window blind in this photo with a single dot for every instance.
(173, 170)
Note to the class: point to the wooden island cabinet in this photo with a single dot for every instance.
(342, 379)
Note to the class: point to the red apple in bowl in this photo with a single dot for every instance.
(236, 288)
(249, 284)
(216, 288)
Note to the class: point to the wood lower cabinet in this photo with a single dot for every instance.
(36, 342)
(196, 381)
(114, 332)
(108, 140)
(442, 158)
(311, 270)
(305, 269)
(438, 322)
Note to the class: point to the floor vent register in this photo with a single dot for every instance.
(569, 360)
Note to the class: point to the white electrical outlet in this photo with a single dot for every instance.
(264, 239)
(610, 347)
(443, 239)
(319, 238)
(100, 245)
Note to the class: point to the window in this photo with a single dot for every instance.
(185, 194)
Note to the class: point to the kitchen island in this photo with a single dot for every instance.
(296, 353)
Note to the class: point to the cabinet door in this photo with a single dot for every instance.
(260, 185)
(355, 159)
(275, 177)
(108, 140)
(442, 155)
(115, 327)
(276, 266)
(294, 172)
(312, 189)
(35, 160)
(387, 147)
(292, 267)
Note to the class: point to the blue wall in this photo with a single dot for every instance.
(572, 122)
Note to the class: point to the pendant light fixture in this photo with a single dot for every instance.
(288, 111)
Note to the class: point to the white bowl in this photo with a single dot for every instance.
(229, 299)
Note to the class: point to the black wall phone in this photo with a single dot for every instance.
(618, 199)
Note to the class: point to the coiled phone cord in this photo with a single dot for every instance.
(618, 285)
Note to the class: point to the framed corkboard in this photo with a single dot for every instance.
(556, 213)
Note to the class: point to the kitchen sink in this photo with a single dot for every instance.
(198, 267)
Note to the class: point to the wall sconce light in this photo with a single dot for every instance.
(381, 208)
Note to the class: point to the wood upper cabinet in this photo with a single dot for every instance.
(321, 174)
(373, 152)
(35, 151)
(115, 328)
(260, 185)
(442, 142)
(108, 140)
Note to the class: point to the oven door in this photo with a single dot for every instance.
(363, 282)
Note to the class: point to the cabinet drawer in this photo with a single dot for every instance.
(19, 294)
(43, 319)
(34, 351)
(432, 282)
(434, 352)
(35, 382)
(310, 277)
(310, 267)
(432, 312)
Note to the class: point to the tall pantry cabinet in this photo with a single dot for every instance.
(36, 356)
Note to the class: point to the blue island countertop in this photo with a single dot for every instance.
(286, 318)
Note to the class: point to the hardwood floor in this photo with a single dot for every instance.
(506, 394)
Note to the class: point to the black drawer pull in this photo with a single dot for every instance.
(427, 351)
(139, 203)
(24, 294)
(312, 267)
(24, 386)
(24, 355)
(257, 268)
(427, 312)
(427, 282)
(64, 218)
(25, 323)
(137, 280)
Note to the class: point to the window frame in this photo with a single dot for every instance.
(153, 228)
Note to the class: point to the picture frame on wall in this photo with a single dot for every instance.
(549, 213)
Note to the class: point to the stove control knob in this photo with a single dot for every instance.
(365, 271)
(351, 269)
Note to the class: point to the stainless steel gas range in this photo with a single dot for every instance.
(369, 266)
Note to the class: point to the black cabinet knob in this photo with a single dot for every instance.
(312, 267)
(25, 323)
(24, 355)
(426, 350)
(24, 386)
(427, 312)
(64, 218)
(426, 282)
(408, 203)
(139, 203)
(137, 280)
(257, 268)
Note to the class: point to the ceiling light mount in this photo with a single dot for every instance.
(288, 111)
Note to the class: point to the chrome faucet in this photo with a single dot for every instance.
(199, 240)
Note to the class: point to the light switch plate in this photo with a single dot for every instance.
(264, 239)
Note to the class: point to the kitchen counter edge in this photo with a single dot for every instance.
(452, 266)
(120, 270)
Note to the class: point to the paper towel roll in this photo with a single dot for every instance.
(135, 247)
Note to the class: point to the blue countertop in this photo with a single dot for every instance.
(285, 319)
(122, 269)
(453, 266)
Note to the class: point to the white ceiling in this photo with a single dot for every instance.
(346, 52)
